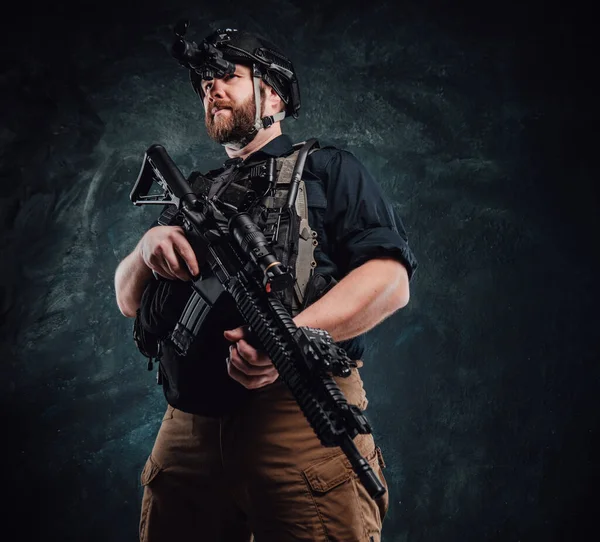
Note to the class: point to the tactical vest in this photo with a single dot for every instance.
(293, 239)
(297, 244)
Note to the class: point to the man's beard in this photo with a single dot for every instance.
(236, 128)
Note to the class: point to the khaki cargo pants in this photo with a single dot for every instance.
(259, 475)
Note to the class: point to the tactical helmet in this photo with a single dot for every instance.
(217, 55)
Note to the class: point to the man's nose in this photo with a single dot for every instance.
(216, 89)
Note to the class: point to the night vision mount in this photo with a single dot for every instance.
(205, 59)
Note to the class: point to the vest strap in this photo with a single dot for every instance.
(307, 239)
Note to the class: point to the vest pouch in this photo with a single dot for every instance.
(161, 303)
(146, 342)
(285, 246)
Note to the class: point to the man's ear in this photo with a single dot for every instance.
(272, 97)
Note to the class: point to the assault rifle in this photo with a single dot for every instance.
(243, 262)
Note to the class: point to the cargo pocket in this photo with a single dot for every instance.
(383, 502)
(151, 469)
(373, 511)
(347, 511)
(149, 473)
(333, 489)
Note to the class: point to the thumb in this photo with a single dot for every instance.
(234, 334)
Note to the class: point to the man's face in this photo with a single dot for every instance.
(229, 107)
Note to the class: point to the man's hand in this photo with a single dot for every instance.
(166, 250)
(250, 367)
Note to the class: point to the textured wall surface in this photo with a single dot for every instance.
(476, 122)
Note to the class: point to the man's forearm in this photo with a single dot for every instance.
(131, 277)
(360, 301)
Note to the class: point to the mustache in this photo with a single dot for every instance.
(220, 105)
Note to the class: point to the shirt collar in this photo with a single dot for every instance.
(280, 146)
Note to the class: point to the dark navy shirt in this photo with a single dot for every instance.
(354, 222)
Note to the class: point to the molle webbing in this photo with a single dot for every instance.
(301, 239)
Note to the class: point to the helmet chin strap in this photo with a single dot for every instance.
(267, 121)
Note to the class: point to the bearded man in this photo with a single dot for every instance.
(235, 459)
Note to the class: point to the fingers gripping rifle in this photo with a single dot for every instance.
(245, 266)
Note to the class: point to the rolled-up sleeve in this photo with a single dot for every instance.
(362, 223)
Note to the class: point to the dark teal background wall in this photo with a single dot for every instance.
(479, 123)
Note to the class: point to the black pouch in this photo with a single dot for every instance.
(160, 306)
(317, 287)
(147, 343)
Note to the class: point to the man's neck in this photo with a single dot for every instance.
(260, 140)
